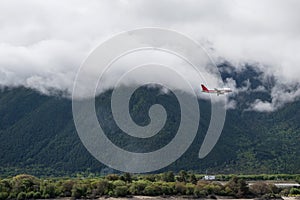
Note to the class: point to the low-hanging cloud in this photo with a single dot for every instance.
(43, 43)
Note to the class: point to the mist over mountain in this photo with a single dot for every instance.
(37, 132)
(253, 43)
(43, 44)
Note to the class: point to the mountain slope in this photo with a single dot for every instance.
(37, 132)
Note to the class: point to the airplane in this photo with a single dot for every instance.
(217, 91)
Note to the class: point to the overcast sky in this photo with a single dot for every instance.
(43, 43)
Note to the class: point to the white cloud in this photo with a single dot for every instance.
(42, 43)
(280, 94)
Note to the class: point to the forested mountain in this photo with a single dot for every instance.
(37, 133)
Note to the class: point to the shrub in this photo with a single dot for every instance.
(67, 187)
(182, 176)
(46, 196)
(180, 188)
(214, 188)
(3, 195)
(167, 190)
(152, 190)
(12, 195)
(168, 177)
(260, 188)
(24, 183)
(138, 187)
(119, 183)
(190, 189)
(126, 177)
(5, 185)
(21, 196)
(199, 192)
(295, 191)
(48, 190)
(37, 195)
(238, 187)
(150, 177)
(79, 190)
(29, 195)
(100, 187)
(285, 192)
(120, 191)
(112, 177)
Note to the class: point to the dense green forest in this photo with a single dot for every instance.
(38, 137)
(165, 184)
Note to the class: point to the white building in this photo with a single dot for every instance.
(209, 177)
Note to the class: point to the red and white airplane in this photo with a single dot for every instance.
(216, 90)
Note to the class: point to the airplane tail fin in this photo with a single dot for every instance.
(204, 89)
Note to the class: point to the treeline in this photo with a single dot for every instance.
(165, 184)
(38, 135)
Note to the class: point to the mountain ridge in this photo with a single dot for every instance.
(37, 131)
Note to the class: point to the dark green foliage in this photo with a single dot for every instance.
(100, 187)
(67, 188)
(120, 191)
(5, 186)
(24, 183)
(137, 187)
(295, 191)
(79, 190)
(126, 177)
(190, 188)
(199, 191)
(152, 190)
(38, 136)
(48, 189)
(182, 176)
(3, 195)
(168, 176)
(298, 179)
(112, 177)
(30, 195)
(167, 188)
(29, 187)
(21, 196)
(37, 195)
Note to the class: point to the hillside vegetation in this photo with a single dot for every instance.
(165, 184)
(37, 134)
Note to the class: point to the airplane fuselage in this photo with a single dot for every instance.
(217, 91)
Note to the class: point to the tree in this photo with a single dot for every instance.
(100, 187)
(182, 176)
(25, 183)
(120, 191)
(192, 179)
(152, 190)
(168, 176)
(238, 186)
(137, 187)
(126, 177)
(112, 177)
